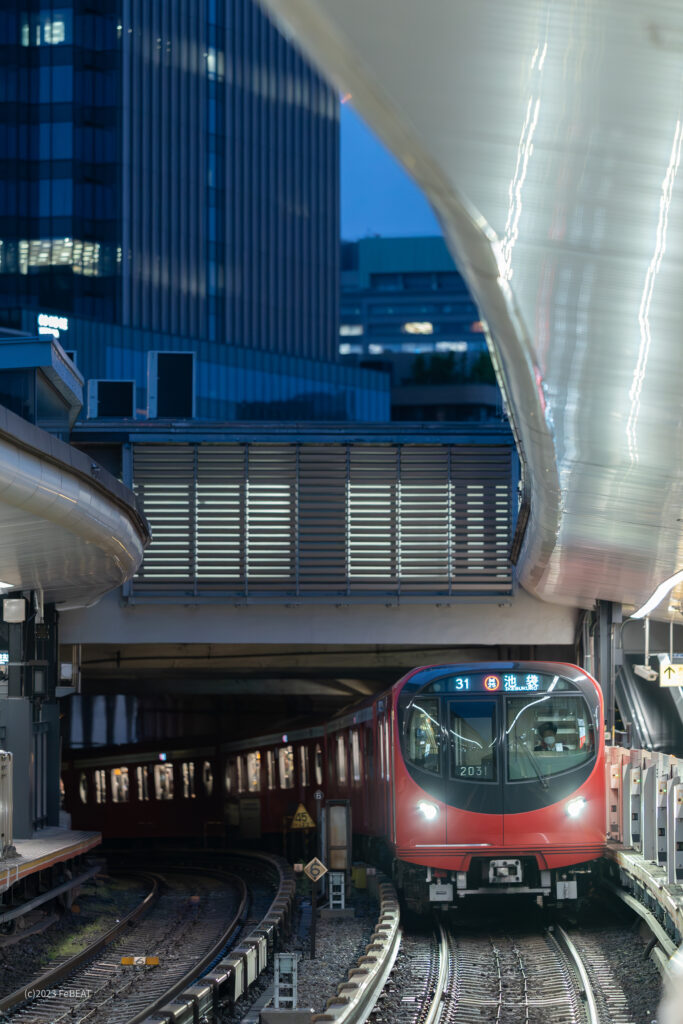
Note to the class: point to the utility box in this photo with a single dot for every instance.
(339, 836)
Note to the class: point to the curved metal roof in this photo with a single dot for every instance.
(548, 138)
(68, 528)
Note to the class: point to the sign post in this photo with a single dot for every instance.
(315, 869)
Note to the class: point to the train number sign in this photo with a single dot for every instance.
(315, 869)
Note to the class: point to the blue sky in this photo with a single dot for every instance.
(377, 196)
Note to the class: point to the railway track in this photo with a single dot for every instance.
(185, 929)
(503, 977)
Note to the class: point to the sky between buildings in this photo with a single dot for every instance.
(377, 196)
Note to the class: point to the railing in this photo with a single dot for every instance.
(5, 802)
(645, 806)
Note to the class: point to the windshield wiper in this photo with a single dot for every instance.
(534, 763)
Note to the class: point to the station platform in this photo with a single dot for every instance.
(49, 846)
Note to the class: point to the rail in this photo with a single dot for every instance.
(356, 997)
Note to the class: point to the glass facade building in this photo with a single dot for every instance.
(168, 166)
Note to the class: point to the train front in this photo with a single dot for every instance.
(499, 781)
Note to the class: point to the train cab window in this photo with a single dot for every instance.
(187, 769)
(241, 775)
(472, 738)
(254, 771)
(142, 773)
(119, 785)
(270, 769)
(303, 764)
(83, 788)
(163, 781)
(341, 761)
(547, 735)
(100, 777)
(424, 736)
(318, 758)
(207, 777)
(286, 761)
(355, 756)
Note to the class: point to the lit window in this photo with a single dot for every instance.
(341, 761)
(418, 327)
(142, 773)
(318, 765)
(347, 349)
(119, 785)
(207, 777)
(254, 771)
(241, 775)
(375, 350)
(163, 781)
(188, 780)
(303, 765)
(286, 761)
(451, 346)
(100, 786)
(270, 768)
(230, 777)
(355, 756)
(83, 788)
(350, 330)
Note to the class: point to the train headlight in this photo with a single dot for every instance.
(575, 806)
(430, 811)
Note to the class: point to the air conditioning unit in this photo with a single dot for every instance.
(114, 399)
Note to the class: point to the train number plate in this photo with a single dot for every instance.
(441, 893)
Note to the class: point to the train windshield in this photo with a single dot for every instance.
(548, 735)
(424, 735)
(472, 736)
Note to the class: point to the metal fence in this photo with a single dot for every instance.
(324, 521)
(645, 806)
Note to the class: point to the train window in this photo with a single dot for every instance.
(355, 756)
(472, 738)
(83, 788)
(303, 764)
(547, 735)
(382, 773)
(142, 773)
(163, 781)
(254, 771)
(424, 735)
(241, 775)
(207, 777)
(230, 777)
(286, 759)
(100, 777)
(119, 785)
(341, 760)
(270, 769)
(187, 769)
(318, 765)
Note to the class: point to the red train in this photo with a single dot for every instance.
(462, 779)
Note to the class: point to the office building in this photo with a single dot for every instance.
(405, 309)
(168, 170)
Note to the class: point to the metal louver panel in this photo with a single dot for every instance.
(364, 521)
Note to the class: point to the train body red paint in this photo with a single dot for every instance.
(462, 780)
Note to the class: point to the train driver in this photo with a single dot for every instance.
(549, 739)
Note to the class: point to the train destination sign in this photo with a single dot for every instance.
(499, 681)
